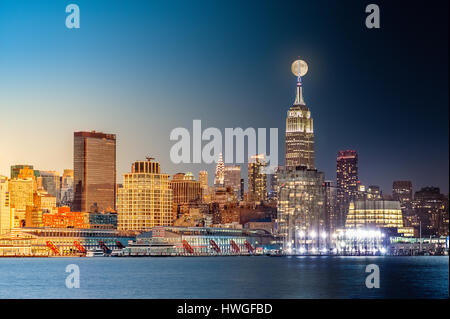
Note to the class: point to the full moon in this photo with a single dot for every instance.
(299, 68)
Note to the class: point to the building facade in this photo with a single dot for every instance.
(402, 191)
(299, 140)
(15, 170)
(332, 216)
(432, 211)
(50, 181)
(374, 214)
(301, 208)
(232, 178)
(67, 188)
(21, 192)
(5, 208)
(94, 171)
(257, 178)
(346, 183)
(219, 177)
(146, 198)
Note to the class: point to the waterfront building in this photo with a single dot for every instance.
(62, 217)
(146, 198)
(266, 224)
(199, 241)
(257, 178)
(219, 177)
(299, 140)
(346, 182)
(5, 208)
(301, 207)
(232, 178)
(94, 165)
(410, 246)
(60, 241)
(375, 214)
(103, 220)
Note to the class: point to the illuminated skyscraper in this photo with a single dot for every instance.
(332, 222)
(301, 209)
(203, 179)
(219, 178)
(145, 200)
(346, 182)
(257, 178)
(299, 133)
(94, 165)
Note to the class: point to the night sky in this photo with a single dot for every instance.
(141, 68)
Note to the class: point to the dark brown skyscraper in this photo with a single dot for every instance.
(94, 163)
(346, 182)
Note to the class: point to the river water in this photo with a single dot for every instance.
(225, 277)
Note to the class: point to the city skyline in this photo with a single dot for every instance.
(85, 81)
(224, 156)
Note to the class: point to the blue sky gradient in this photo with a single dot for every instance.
(141, 68)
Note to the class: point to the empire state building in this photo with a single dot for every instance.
(299, 133)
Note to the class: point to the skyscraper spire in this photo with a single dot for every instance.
(298, 71)
(299, 126)
(299, 96)
(220, 171)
